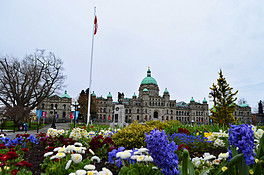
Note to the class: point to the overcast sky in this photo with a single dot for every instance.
(184, 42)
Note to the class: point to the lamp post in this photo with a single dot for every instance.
(75, 105)
(53, 120)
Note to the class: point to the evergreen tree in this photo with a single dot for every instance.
(223, 98)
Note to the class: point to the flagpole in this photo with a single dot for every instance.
(90, 82)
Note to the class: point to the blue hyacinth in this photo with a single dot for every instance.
(162, 152)
(242, 137)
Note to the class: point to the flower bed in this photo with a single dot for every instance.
(153, 148)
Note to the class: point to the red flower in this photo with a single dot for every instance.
(2, 146)
(50, 148)
(4, 158)
(24, 163)
(183, 130)
(182, 146)
(2, 164)
(25, 149)
(14, 171)
(108, 140)
(12, 149)
(12, 154)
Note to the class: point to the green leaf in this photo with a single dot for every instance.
(235, 159)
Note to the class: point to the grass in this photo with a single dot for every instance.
(9, 125)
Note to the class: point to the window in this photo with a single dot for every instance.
(64, 106)
(138, 111)
(51, 106)
(56, 106)
(156, 114)
(138, 117)
(43, 105)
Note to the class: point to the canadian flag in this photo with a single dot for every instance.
(95, 25)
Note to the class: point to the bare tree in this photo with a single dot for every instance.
(242, 101)
(24, 83)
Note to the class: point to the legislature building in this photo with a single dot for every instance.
(150, 105)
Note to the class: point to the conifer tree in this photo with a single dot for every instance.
(223, 99)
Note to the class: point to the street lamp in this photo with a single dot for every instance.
(75, 105)
(53, 120)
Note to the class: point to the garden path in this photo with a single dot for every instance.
(64, 126)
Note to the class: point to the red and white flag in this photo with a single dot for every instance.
(95, 25)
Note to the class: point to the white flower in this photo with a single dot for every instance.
(96, 158)
(92, 172)
(258, 134)
(196, 161)
(48, 154)
(123, 155)
(57, 149)
(68, 164)
(91, 151)
(78, 144)
(60, 155)
(76, 158)
(140, 158)
(80, 172)
(89, 167)
(53, 157)
(148, 159)
(62, 150)
(143, 150)
(134, 157)
(209, 157)
(223, 155)
(107, 171)
(137, 153)
(219, 143)
(72, 174)
(154, 168)
(70, 148)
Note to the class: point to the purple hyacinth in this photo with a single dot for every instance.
(162, 152)
(242, 137)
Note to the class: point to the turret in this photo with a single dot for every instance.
(166, 95)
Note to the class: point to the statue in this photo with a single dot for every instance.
(260, 107)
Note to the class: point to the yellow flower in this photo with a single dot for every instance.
(251, 171)
(197, 133)
(6, 167)
(224, 168)
(207, 134)
(256, 160)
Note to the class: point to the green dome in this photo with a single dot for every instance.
(134, 95)
(93, 94)
(149, 79)
(109, 95)
(192, 100)
(166, 90)
(145, 90)
(65, 95)
(244, 105)
(204, 100)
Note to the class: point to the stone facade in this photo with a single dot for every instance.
(243, 113)
(149, 105)
(60, 106)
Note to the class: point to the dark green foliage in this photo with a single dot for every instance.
(223, 99)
